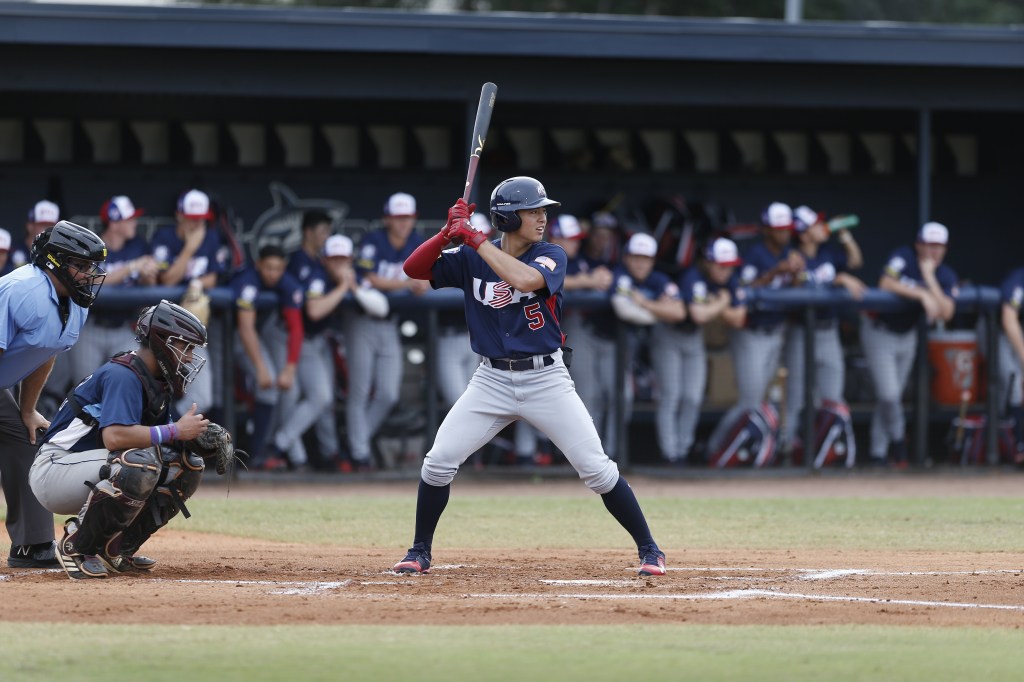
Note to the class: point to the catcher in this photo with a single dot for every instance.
(113, 457)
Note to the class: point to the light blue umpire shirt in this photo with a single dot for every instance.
(31, 331)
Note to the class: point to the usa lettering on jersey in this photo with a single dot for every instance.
(498, 294)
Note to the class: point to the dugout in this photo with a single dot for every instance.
(350, 106)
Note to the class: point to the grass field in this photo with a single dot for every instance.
(423, 651)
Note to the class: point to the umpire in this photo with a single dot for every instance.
(42, 309)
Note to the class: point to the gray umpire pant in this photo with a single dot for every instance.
(680, 366)
(890, 357)
(311, 402)
(374, 379)
(755, 357)
(830, 372)
(28, 522)
(593, 373)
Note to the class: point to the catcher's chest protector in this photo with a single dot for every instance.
(156, 397)
(751, 441)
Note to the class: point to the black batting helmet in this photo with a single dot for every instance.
(512, 195)
(72, 253)
(159, 326)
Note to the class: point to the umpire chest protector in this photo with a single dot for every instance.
(156, 395)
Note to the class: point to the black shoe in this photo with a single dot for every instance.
(43, 555)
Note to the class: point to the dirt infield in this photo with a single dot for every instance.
(209, 579)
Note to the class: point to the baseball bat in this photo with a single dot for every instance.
(483, 121)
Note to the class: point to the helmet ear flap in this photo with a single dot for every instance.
(506, 221)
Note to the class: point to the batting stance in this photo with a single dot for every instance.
(112, 456)
(513, 290)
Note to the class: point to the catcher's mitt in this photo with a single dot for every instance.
(214, 445)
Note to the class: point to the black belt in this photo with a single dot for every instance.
(518, 365)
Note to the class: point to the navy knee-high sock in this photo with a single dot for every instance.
(622, 504)
(430, 503)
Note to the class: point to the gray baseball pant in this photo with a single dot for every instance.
(374, 379)
(96, 345)
(755, 356)
(829, 378)
(544, 397)
(593, 372)
(680, 366)
(311, 402)
(890, 357)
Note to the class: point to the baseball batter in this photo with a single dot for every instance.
(513, 289)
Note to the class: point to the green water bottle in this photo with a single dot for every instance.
(843, 222)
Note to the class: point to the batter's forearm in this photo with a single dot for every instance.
(511, 270)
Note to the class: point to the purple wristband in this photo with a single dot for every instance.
(159, 434)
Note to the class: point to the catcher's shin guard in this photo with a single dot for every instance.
(182, 474)
(116, 500)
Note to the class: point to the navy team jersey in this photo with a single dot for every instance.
(377, 255)
(757, 261)
(821, 272)
(1012, 291)
(208, 257)
(19, 256)
(113, 394)
(656, 285)
(505, 322)
(695, 287)
(247, 285)
(117, 260)
(315, 282)
(902, 266)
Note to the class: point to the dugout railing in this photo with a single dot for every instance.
(982, 301)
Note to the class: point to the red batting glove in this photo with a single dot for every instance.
(460, 211)
(464, 232)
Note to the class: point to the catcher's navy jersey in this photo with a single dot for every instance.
(505, 322)
(902, 266)
(113, 394)
(377, 255)
(1012, 291)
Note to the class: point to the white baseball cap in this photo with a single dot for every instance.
(400, 204)
(805, 217)
(933, 233)
(338, 245)
(567, 227)
(778, 215)
(723, 252)
(118, 208)
(481, 222)
(44, 212)
(5, 240)
(195, 205)
(642, 244)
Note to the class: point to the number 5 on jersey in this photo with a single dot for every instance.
(534, 315)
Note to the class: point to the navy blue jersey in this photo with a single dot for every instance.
(656, 285)
(247, 285)
(505, 322)
(902, 266)
(1012, 291)
(118, 260)
(696, 287)
(822, 270)
(311, 275)
(113, 394)
(377, 255)
(19, 256)
(208, 258)
(757, 261)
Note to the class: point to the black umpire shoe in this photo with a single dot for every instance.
(42, 555)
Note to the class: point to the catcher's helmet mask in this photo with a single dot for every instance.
(73, 254)
(159, 328)
(515, 194)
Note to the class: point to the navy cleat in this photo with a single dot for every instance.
(416, 561)
(42, 555)
(652, 560)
